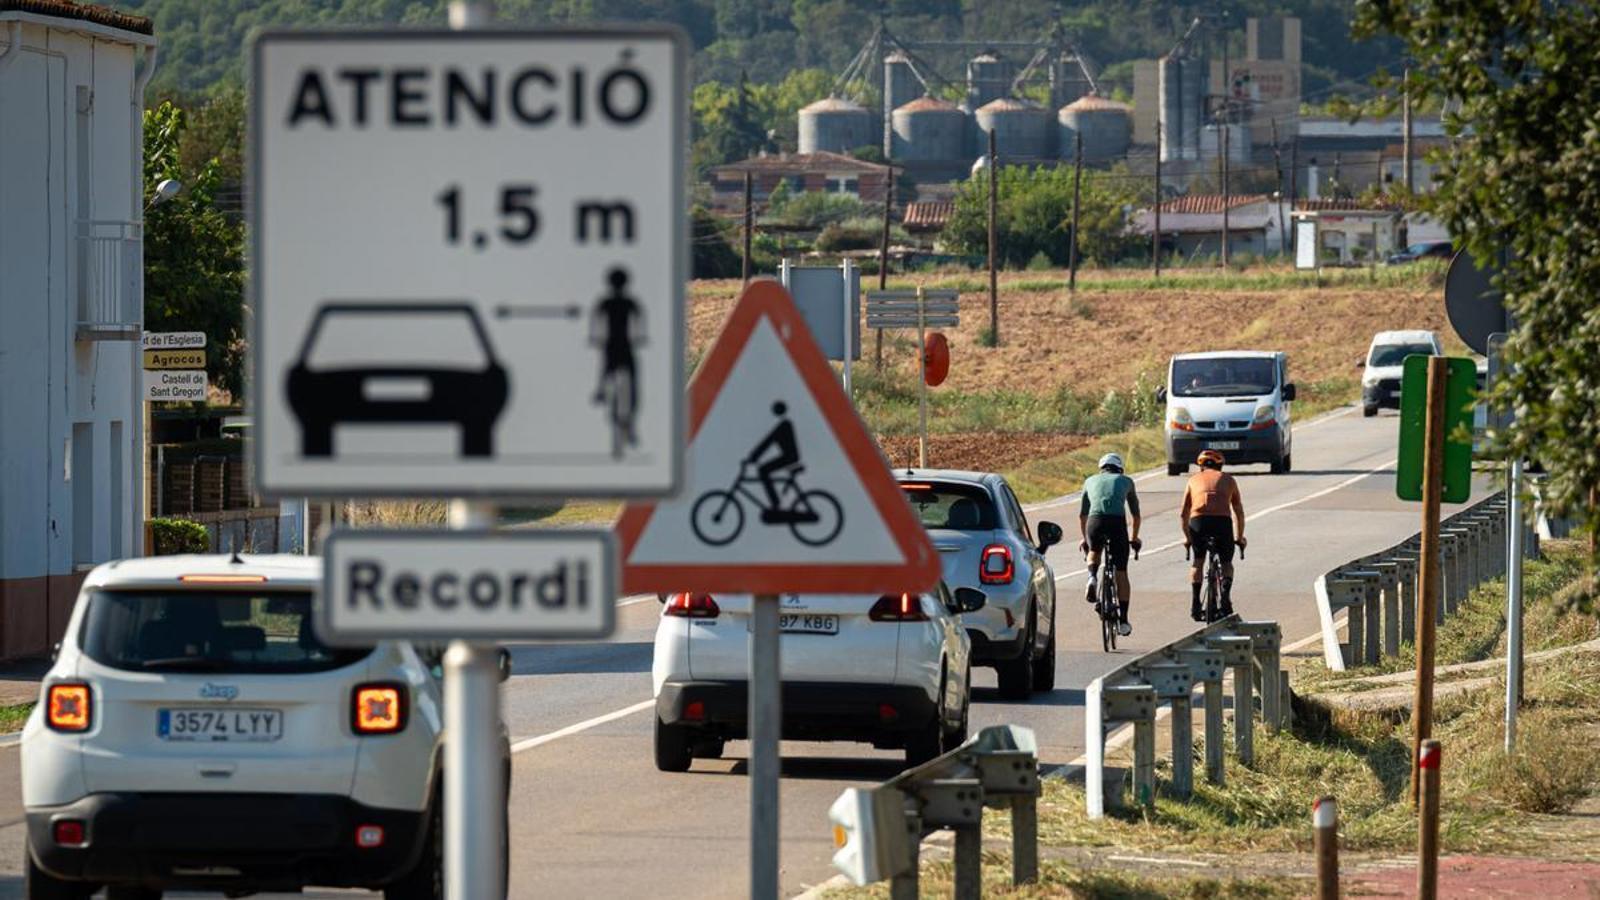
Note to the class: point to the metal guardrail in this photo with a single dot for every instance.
(1379, 591)
(1132, 693)
(878, 831)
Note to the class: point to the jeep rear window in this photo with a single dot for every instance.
(208, 631)
(957, 507)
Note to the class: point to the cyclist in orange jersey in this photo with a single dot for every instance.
(1212, 516)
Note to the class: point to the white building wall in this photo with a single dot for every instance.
(69, 463)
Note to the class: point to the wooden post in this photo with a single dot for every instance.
(1428, 597)
(1325, 839)
(1294, 188)
(1277, 165)
(1405, 126)
(749, 226)
(922, 380)
(994, 289)
(883, 258)
(1225, 198)
(1077, 177)
(1427, 763)
(1155, 238)
(1222, 139)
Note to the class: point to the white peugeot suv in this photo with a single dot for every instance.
(195, 734)
(892, 670)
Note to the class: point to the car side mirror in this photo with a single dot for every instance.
(970, 599)
(1288, 393)
(503, 660)
(1049, 535)
(1161, 395)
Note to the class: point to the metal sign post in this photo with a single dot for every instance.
(766, 731)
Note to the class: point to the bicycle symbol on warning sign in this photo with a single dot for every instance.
(814, 517)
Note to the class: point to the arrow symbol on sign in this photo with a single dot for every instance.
(507, 311)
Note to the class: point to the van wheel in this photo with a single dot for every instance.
(673, 752)
(1177, 468)
(1369, 411)
(38, 884)
(425, 881)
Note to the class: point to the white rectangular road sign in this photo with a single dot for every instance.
(174, 340)
(449, 585)
(169, 385)
(468, 262)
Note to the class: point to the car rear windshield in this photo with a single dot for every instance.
(1223, 376)
(958, 507)
(1395, 354)
(208, 631)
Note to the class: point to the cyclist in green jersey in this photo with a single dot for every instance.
(1103, 519)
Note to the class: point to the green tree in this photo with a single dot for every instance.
(193, 252)
(1034, 216)
(1521, 173)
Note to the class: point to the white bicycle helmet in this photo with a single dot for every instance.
(1111, 461)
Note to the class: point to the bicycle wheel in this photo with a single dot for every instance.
(1211, 590)
(717, 517)
(1107, 608)
(825, 527)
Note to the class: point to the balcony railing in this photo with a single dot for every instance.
(110, 280)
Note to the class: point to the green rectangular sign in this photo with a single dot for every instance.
(1461, 388)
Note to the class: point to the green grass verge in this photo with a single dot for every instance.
(1059, 879)
(12, 718)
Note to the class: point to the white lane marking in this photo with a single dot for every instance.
(637, 598)
(585, 725)
(1148, 474)
(1269, 510)
(1160, 861)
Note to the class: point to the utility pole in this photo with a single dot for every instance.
(994, 288)
(883, 257)
(1155, 238)
(1277, 164)
(1405, 125)
(1077, 177)
(1294, 186)
(749, 226)
(1225, 197)
(1224, 120)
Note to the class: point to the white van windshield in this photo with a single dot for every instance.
(1223, 376)
(1384, 355)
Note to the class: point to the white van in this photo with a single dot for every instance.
(1380, 374)
(1236, 402)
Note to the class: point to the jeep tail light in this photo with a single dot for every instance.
(378, 708)
(369, 837)
(69, 707)
(898, 608)
(995, 566)
(69, 833)
(693, 606)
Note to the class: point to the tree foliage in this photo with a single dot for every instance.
(1521, 172)
(193, 251)
(1033, 216)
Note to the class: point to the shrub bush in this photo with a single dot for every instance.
(172, 536)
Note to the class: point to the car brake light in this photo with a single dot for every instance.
(693, 606)
(369, 836)
(69, 833)
(694, 711)
(69, 707)
(995, 566)
(222, 579)
(898, 608)
(378, 708)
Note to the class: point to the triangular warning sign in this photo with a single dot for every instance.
(784, 489)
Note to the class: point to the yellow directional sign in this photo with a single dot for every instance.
(174, 359)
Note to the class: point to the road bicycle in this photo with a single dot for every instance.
(1107, 605)
(814, 517)
(1212, 580)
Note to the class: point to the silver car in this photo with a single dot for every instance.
(986, 543)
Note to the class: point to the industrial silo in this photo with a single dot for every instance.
(1105, 126)
(1021, 130)
(1238, 142)
(1067, 81)
(929, 130)
(835, 125)
(1192, 97)
(1169, 91)
(988, 79)
(900, 86)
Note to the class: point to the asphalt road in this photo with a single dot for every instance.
(591, 816)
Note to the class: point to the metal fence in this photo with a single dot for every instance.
(878, 831)
(1379, 591)
(1133, 692)
(110, 269)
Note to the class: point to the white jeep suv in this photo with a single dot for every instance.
(891, 670)
(194, 733)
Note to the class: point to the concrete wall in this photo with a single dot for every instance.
(69, 473)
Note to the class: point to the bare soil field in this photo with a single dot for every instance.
(984, 450)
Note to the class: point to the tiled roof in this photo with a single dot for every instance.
(1201, 204)
(67, 9)
(1341, 204)
(928, 214)
(793, 163)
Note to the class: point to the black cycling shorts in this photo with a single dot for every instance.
(1110, 532)
(1212, 531)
